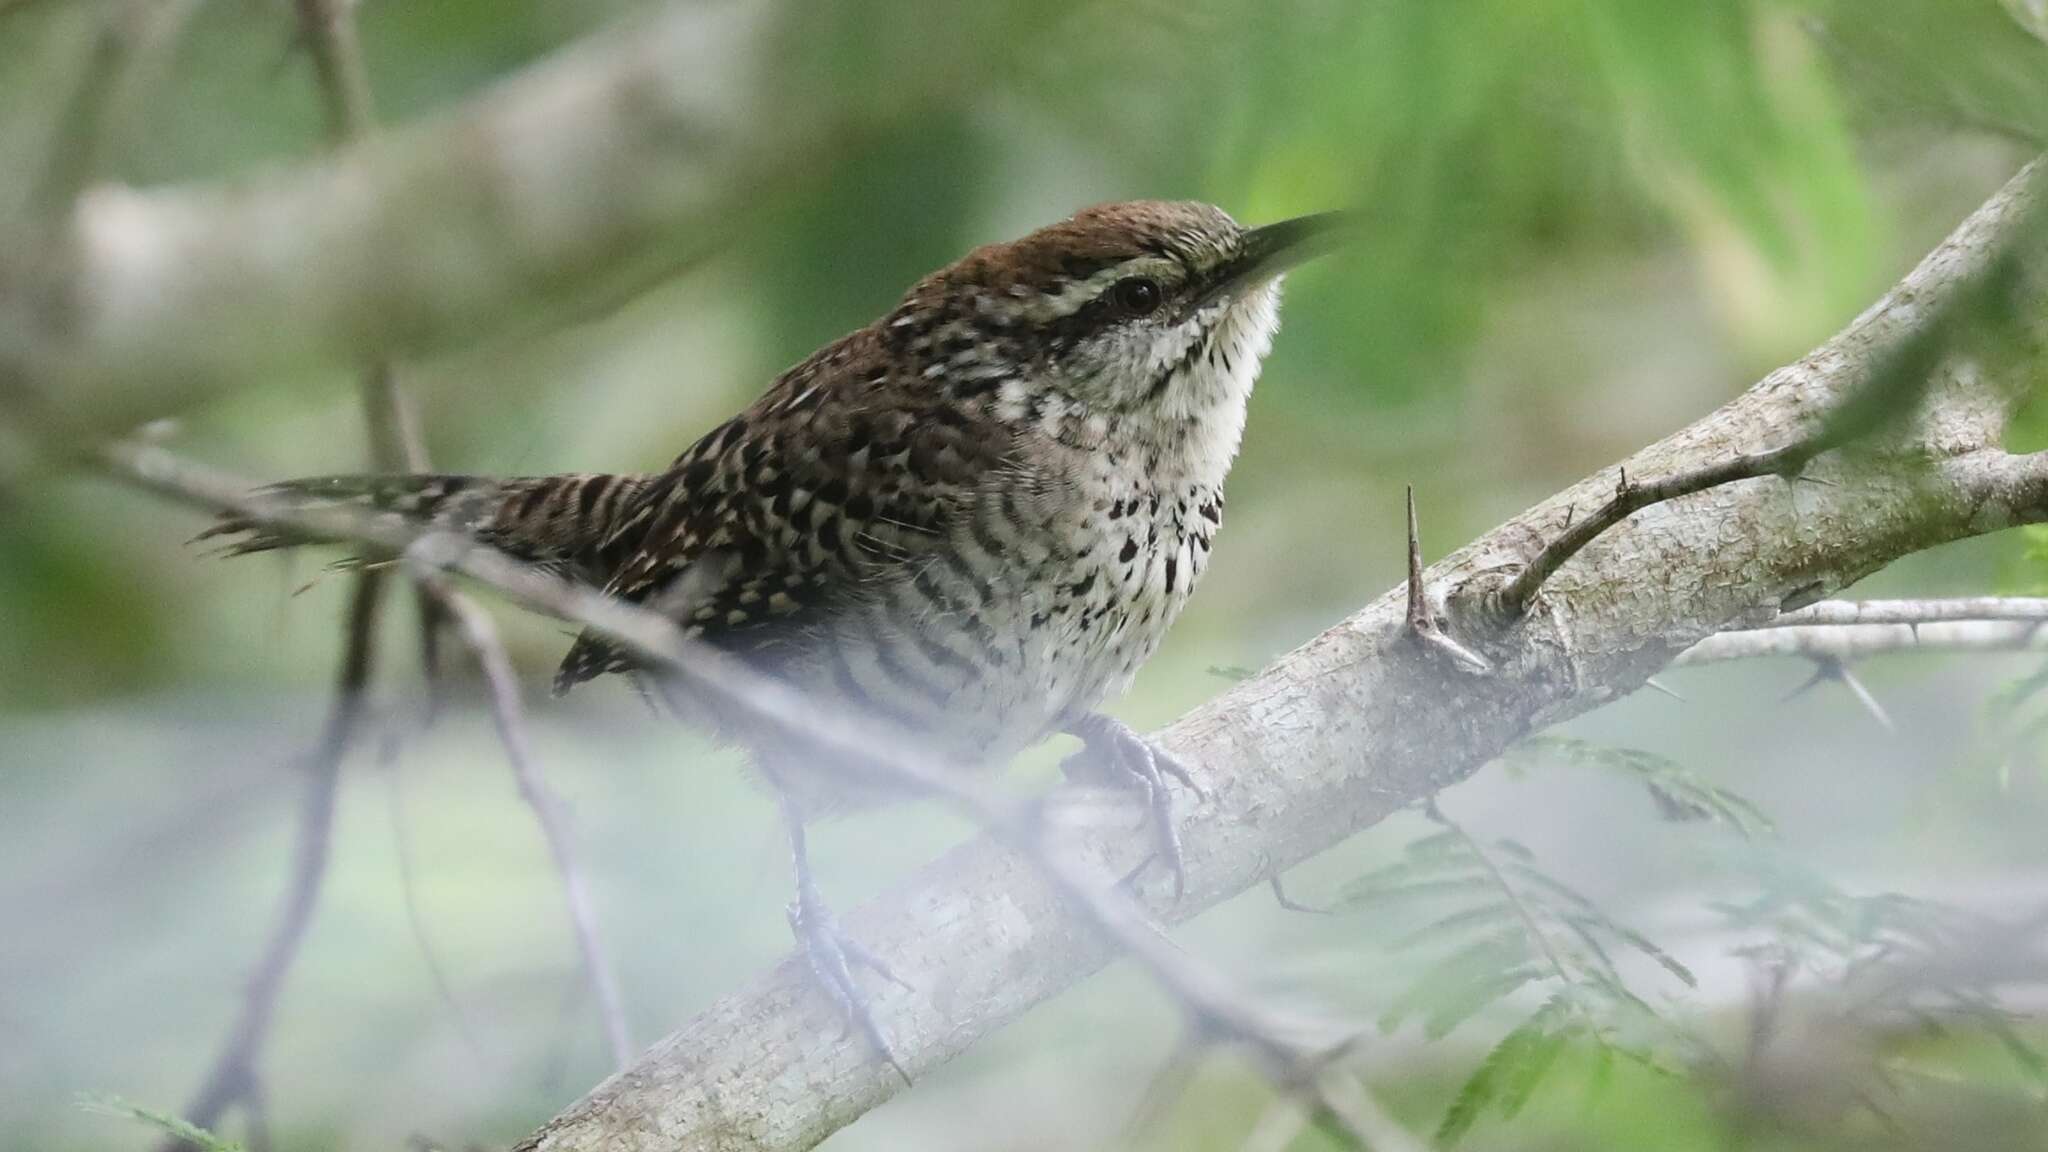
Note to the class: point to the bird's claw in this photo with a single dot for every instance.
(1112, 752)
(835, 958)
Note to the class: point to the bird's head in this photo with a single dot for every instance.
(1146, 307)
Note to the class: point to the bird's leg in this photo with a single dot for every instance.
(834, 956)
(1112, 753)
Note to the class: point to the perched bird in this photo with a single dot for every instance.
(969, 522)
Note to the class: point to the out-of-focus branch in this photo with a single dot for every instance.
(234, 1078)
(1836, 632)
(329, 33)
(1851, 642)
(133, 37)
(651, 136)
(1935, 611)
(510, 716)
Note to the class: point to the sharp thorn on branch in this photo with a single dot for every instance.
(1290, 903)
(1830, 669)
(1421, 624)
(1862, 694)
(1823, 672)
(1655, 685)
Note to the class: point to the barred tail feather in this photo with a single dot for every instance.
(554, 520)
(417, 502)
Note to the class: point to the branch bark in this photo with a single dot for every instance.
(1361, 722)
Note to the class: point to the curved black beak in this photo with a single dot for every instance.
(1268, 251)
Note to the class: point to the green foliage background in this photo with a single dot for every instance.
(1590, 222)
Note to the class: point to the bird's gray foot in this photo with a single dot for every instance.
(1111, 753)
(837, 959)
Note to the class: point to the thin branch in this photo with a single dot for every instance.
(1164, 1088)
(1852, 642)
(1277, 1126)
(510, 717)
(1512, 601)
(76, 153)
(394, 444)
(234, 1078)
(408, 887)
(1361, 1115)
(328, 29)
(1911, 612)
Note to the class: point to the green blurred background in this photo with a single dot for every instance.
(1591, 221)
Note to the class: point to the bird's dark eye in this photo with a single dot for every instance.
(1137, 296)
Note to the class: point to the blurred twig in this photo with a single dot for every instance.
(130, 33)
(234, 1078)
(395, 445)
(510, 717)
(1910, 612)
(330, 37)
(409, 893)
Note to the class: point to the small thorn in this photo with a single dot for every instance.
(1290, 903)
(1418, 608)
(1831, 669)
(1654, 685)
(1621, 489)
(1855, 686)
(864, 957)
(1421, 624)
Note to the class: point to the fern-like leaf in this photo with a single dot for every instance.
(173, 1126)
